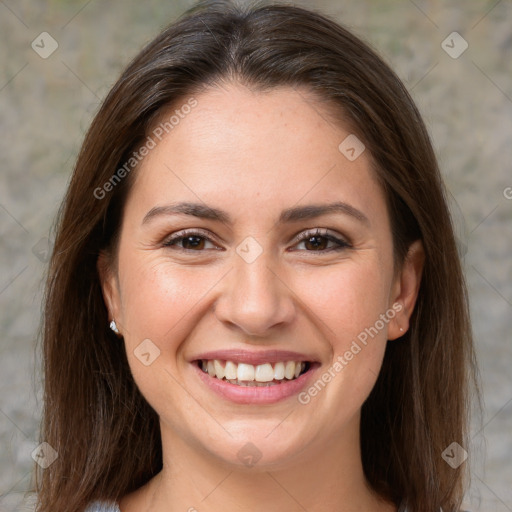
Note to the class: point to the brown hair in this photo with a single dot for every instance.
(106, 434)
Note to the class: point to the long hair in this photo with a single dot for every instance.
(106, 434)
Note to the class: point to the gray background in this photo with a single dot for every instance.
(47, 104)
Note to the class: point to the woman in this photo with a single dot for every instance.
(255, 300)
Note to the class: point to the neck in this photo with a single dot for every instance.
(316, 480)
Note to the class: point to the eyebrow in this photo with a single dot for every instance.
(290, 215)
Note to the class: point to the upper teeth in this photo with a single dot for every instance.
(266, 372)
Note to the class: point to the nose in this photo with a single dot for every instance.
(255, 299)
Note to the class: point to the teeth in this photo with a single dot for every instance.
(219, 370)
(289, 370)
(249, 375)
(253, 384)
(279, 371)
(230, 371)
(245, 372)
(264, 373)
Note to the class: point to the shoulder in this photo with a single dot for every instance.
(403, 508)
(102, 506)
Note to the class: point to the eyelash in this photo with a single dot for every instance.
(305, 236)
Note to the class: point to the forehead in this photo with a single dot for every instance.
(254, 149)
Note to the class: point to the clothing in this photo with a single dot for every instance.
(98, 506)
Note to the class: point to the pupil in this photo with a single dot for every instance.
(194, 241)
(317, 244)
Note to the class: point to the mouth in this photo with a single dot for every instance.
(264, 377)
(261, 375)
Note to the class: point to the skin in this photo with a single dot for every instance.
(253, 155)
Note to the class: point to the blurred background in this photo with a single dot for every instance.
(58, 59)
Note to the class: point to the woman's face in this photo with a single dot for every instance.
(281, 261)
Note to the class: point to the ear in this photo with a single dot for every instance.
(110, 289)
(405, 289)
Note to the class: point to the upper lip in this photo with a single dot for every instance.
(254, 357)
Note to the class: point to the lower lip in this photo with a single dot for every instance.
(255, 394)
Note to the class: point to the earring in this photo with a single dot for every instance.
(113, 326)
(401, 329)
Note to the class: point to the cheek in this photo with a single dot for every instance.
(348, 304)
(159, 301)
(347, 298)
(158, 297)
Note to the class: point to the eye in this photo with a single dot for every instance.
(319, 240)
(315, 241)
(188, 240)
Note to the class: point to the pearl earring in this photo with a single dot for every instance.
(113, 326)
(401, 329)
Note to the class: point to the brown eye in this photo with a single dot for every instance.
(318, 241)
(192, 241)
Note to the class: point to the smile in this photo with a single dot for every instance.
(255, 377)
(261, 375)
